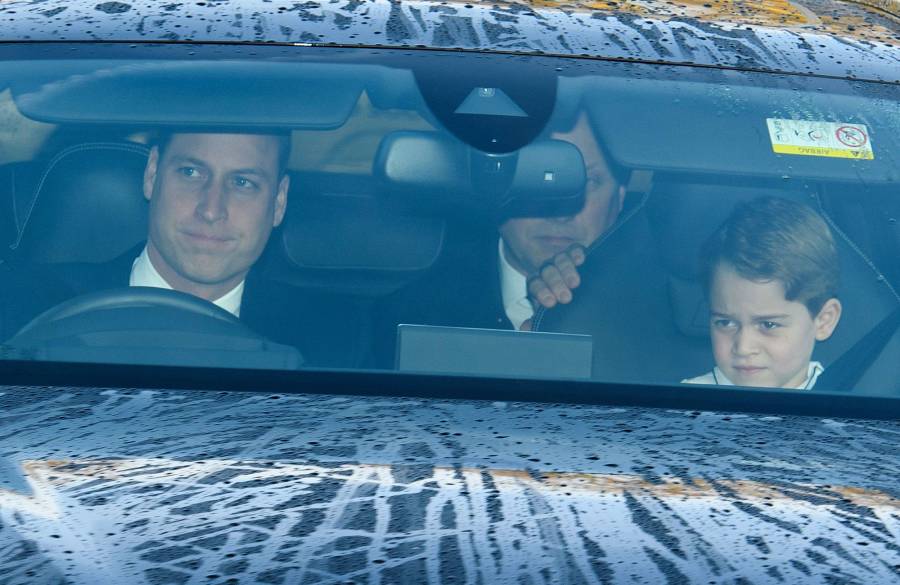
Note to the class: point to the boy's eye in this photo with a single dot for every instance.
(769, 325)
(722, 323)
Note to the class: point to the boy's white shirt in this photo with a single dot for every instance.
(717, 377)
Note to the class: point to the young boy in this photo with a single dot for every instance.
(772, 275)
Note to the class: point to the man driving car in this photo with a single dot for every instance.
(484, 282)
(214, 199)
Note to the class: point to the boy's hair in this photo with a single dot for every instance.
(284, 144)
(772, 238)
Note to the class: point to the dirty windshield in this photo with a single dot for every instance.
(449, 213)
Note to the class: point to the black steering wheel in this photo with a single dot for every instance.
(132, 297)
(149, 325)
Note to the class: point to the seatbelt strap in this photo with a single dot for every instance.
(846, 371)
(640, 181)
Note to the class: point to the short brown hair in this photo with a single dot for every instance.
(283, 137)
(772, 238)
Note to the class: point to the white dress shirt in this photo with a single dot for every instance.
(718, 377)
(514, 289)
(143, 273)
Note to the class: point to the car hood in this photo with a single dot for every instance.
(128, 486)
(824, 37)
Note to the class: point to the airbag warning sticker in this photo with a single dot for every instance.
(817, 138)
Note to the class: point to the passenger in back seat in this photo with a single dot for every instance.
(772, 274)
(486, 286)
(539, 256)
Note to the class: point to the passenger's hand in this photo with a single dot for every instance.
(557, 278)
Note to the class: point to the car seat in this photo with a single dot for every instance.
(339, 235)
(871, 218)
(85, 204)
(642, 301)
(10, 179)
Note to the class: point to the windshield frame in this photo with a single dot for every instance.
(22, 374)
(387, 383)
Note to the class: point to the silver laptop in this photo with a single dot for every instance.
(493, 352)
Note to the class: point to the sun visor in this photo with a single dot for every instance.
(785, 132)
(196, 93)
(434, 171)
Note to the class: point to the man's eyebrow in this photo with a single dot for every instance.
(250, 171)
(769, 317)
(181, 159)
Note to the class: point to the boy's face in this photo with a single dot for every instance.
(760, 338)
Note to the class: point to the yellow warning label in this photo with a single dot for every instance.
(820, 151)
(820, 138)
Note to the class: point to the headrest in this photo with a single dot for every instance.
(86, 205)
(337, 234)
(684, 215)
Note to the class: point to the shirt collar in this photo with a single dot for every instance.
(143, 273)
(813, 372)
(514, 290)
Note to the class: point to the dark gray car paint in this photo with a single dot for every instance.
(128, 486)
(492, 27)
(124, 486)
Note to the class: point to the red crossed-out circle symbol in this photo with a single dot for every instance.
(851, 136)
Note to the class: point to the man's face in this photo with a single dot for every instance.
(214, 199)
(760, 338)
(532, 241)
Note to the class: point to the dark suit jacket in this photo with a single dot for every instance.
(24, 294)
(461, 290)
(327, 330)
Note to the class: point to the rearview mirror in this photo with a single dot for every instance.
(438, 173)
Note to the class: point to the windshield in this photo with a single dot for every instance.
(471, 214)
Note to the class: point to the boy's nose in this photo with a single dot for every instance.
(743, 343)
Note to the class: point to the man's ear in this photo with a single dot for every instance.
(621, 197)
(827, 319)
(150, 173)
(281, 200)
(615, 206)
